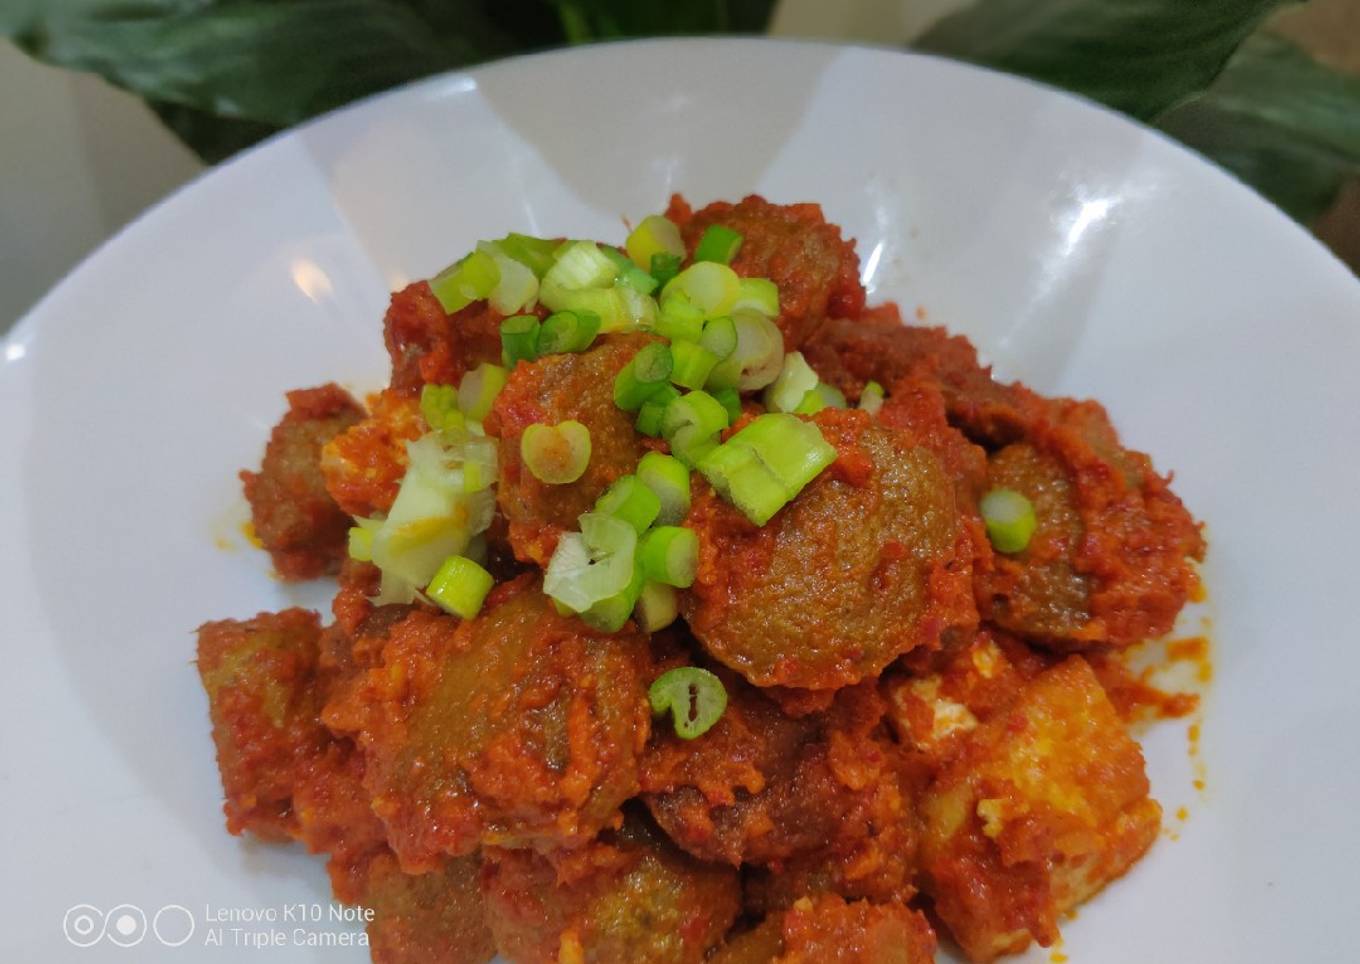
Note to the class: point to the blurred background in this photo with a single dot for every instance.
(1269, 89)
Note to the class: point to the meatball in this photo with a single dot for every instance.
(820, 798)
(294, 516)
(520, 727)
(873, 559)
(418, 919)
(628, 898)
(283, 773)
(1045, 804)
(879, 347)
(555, 389)
(363, 466)
(1110, 560)
(258, 674)
(428, 345)
(817, 271)
(828, 930)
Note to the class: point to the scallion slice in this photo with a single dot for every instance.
(534, 253)
(592, 565)
(650, 414)
(637, 381)
(664, 267)
(758, 357)
(871, 399)
(466, 281)
(766, 464)
(719, 244)
(657, 607)
(1010, 519)
(820, 396)
(720, 337)
(691, 425)
(670, 554)
(519, 339)
(517, 288)
(693, 362)
(655, 235)
(629, 273)
(695, 698)
(581, 265)
(460, 587)
(730, 399)
(678, 319)
(556, 454)
(609, 614)
(758, 294)
(796, 378)
(710, 287)
(668, 477)
(568, 331)
(478, 390)
(439, 406)
(630, 500)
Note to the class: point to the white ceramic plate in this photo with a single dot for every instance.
(1080, 252)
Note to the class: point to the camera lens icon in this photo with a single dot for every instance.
(83, 925)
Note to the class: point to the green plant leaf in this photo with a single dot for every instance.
(1282, 122)
(1137, 56)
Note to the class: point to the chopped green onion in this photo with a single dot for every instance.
(670, 554)
(871, 399)
(758, 357)
(691, 425)
(758, 294)
(580, 265)
(517, 288)
(695, 698)
(534, 253)
(629, 273)
(710, 287)
(654, 409)
(766, 464)
(796, 378)
(519, 339)
(718, 244)
(1010, 519)
(618, 308)
(556, 454)
(592, 565)
(657, 607)
(568, 331)
(439, 406)
(693, 362)
(654, 236)
(466, 281)
(632, 501)
(478, 390)
(679, 320)
(664, 267)
(608, 615)
(361, 543)
(820, 396)
(637, 381)
(720, 337)
(479, 464)
(730, 399)
(668, 477)
(460, 587)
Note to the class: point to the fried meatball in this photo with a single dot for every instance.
(1110, 560)
(828, 930)
(520, 727)
(628, 898)
(816, 270)
(556, 389)
(873, 559)
(258, 674)
(364, 465)
(283, 772)
(848, 353)
(427, 345)
(294, 516)
(432, 918)
(820, 798)
(1045, 804)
